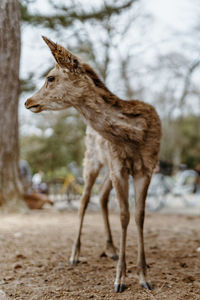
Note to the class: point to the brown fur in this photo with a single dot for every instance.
(126, 132)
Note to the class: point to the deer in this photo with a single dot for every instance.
(130, 133)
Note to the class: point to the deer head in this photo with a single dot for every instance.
(65, 84)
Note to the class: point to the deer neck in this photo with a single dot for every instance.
(101, 110)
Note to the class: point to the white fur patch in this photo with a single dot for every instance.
(34, 109)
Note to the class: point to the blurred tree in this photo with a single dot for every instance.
(179, 99)
(190, 140)
(66, 14)
(10, 184)
(81, 23)
(187, 144)
(60, 142)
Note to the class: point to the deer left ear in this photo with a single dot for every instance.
(64, 57)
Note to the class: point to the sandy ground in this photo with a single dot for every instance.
(35, 250)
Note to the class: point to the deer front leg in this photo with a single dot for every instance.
(121, 186)
(104, 197)
(90, 177)
(141, 186)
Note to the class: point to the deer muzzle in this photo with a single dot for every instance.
(33, 106)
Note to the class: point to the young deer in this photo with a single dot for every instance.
(130, 133)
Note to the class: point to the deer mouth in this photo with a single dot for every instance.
(35, 108)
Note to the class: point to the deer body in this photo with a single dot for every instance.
(129, 133)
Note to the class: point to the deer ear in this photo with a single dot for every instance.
(64, 57)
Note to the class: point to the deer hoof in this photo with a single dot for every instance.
(103, 254)
(115, 257)
(119, 288)
(74, 261)
(147, 285)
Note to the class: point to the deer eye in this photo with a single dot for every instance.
(51, 78)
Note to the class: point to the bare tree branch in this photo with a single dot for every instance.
(67, 15)
(187, 81)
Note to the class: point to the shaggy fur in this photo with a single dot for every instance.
(124, 135)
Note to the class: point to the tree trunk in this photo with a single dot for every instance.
(10, 184)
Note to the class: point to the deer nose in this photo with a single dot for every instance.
(26, 103)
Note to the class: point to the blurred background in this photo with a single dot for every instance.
(147, 50)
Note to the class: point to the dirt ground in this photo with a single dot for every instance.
(35, 250)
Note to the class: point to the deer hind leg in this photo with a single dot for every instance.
(141, 186)
(90, 177)
(104, 197)
(120, 184)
